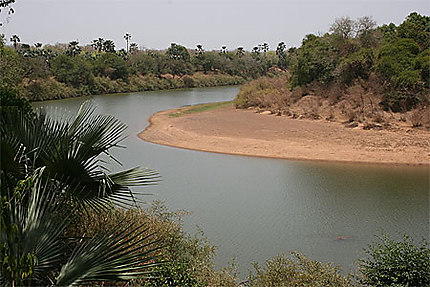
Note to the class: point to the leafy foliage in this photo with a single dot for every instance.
(357, 65)
(72, 70)
(390, 61)
(68, 70)
(316, 60)
(70, 150)
(396, 263)
(188, 259)
(33, 219)
(50, 173)
(296, 271)
(10, 101)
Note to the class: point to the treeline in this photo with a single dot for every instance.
(392, 62)
(67, 70)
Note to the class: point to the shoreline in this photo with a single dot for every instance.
(231, 131)
(132, 92)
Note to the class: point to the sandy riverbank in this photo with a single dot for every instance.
(244, 132)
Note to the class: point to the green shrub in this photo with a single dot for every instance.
(189, 259)
(74, 71)
(395, 58)
(47, 89)
(396, 263)
(282, 271)
(263, 92)
(356, 65)
(9, 100)
(316, 61)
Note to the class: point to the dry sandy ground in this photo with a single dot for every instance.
(244, 132)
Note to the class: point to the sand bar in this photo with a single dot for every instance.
(244, 132)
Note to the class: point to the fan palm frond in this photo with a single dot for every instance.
(30, 232)
(70, 149)
(119, 255)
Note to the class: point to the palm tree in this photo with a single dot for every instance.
(15, 40)
(69, 150)
(240, 52)
(73, 49)
(265, 48)
(127, 37)
(98, 44)
(223, 49)
(51, 171)
(199, 49)
(133, 48)
(109, 46)
(32, 242)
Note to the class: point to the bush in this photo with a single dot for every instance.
(399, 101)
(188, 258)
(47, 89)
(396, 263)
(282, 271)
(9, 100)
(356, 65)
(264, 93)
(316, 61)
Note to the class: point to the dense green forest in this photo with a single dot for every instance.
(68, 70)
(358, 69)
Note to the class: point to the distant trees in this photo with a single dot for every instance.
(282, 55)
(109, 46)
(343, 27)
(64, 70)
(127, 38)
(133, 48)
(346, 28)
(73, 71)
(111, 65)
(397, 55)
(199, 50)
(73, 49)
(15, 40)
(240, 52)
(223, 49)
(178, 52)
(316, 60)
(97, 44)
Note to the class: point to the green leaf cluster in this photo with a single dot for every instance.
(51, 172)
(400, 59)
(396, 263)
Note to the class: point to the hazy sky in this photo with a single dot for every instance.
(157, 23)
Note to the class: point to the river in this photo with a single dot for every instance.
(255, 208)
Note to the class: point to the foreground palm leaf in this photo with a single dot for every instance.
(31, 246)
(117, 256)
(70, 149)
(30, 232)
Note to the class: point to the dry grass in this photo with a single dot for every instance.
(358, 103)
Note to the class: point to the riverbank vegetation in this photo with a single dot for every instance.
(59, 71)
(358, 73)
